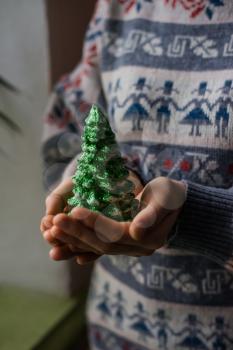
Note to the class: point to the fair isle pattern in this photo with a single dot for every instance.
(171, 46)
(129, 5)
(169, 109)
(167, 278)
(200, 165)
(103, 339)
(163, 70)
(196, 7)
(188, 11)
(154, 324)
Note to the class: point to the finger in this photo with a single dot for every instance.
(84, 215)
(156, 236)
(64, 253)
(98, 242)
(86, 258)
(167, 193)
(57, 200)
(46, 223)
(61, 253)
(152, 214)
(139, 196)
(71, 240)
(106, 229)
(143, 220)
(73, 248)
(74, 229)
(50, 239)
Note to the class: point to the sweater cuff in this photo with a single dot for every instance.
(205, 225)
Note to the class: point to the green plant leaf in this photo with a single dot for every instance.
(7, 85)
(10, 123)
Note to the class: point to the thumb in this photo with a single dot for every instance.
(142, 221)
(56, 201)
(148, 217)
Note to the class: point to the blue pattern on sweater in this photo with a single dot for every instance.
(168, 278)
(145, 43)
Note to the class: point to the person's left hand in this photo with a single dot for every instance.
(161, 201)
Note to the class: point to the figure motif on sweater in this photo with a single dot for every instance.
(200, 111)
(195, 338)
(197, 116)
(104, 305)
(162, 328)
(219, 335)
(222, 115)
(136, 111)
(105, 340)
(140, 325)
(192, 334)
(163, 112)
(119, 309)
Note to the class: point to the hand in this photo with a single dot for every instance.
(55, 204)
(161, 202)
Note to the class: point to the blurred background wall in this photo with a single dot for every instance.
(39, 41)
(24, 62)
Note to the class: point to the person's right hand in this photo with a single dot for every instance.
(56, 203)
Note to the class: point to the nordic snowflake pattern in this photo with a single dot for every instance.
(153, 325)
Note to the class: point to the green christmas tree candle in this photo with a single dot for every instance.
(101, 182)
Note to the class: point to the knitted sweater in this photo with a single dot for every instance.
(163, 71)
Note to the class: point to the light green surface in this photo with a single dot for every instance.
(27, 316)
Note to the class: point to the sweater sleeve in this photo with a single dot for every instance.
(69, 103)
(205, 225)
